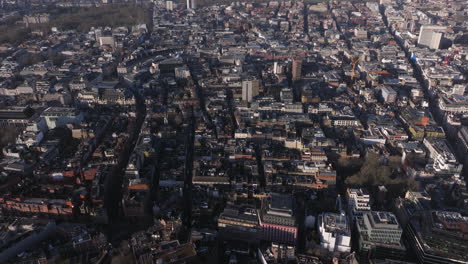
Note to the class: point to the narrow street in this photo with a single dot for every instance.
(432, 100)
(114, 183)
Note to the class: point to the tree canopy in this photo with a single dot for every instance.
(376, 170)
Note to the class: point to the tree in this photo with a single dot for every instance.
(375, 171)
(7, 136)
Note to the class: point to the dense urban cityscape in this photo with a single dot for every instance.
(261, 131)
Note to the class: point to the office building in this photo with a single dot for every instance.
(462, 144)
(133, 203)
(296, 69)
(191, 4)
(411, 206)
(379, 236)
(432, 236)
(36, 19)
(430, 36)
(107, 41)
(360, 33)
(441, 157)
(438, 237)
(435, 40)
(169, 5)
(240, 223)
(286, 95)
(181, 72)
(277, 220)
(97, 34)
(358, 201)
(453, 104)
(15, 117)
(389, 95)
(335, 233)
(61, 116)
(458, 89)
(250, 89)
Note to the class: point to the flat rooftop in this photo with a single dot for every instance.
(383, 218)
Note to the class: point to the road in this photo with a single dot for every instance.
(114, 182)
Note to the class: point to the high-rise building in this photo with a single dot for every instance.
(435, 40)
(430, 36)
(97, 34)
(191, 4)
(169, 5)
(389, 95)
(296, 69)
(250, 89)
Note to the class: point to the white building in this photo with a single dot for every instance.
(459, 89)
(293, 108)
(441, 157)
(293, 143)
(430, 36)
(108, 40)
(358, 201)
(346, 122)
(30, 138)
(61, 116)
(335, 234)
(344, 117)
(169, 5)
(454, 104)
(360, 33)
(320, 109)
(388, 94)
(191, 4)
(181, 72)
(250, 89)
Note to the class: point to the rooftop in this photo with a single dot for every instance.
(335, 223)
(383, 218)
